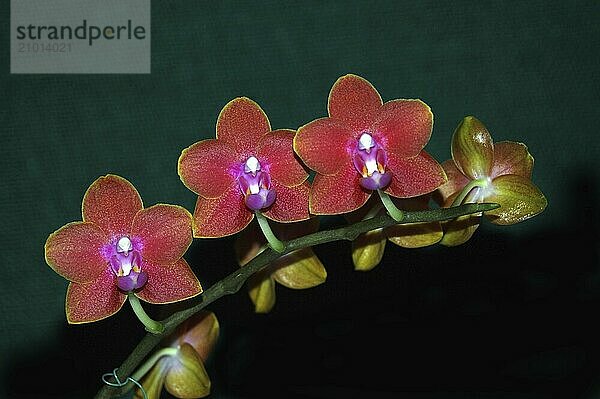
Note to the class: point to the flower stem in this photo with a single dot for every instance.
(148, 364)
(152, 326)
(274, 242)
(467, 189)
(394, 212)
(235, 281)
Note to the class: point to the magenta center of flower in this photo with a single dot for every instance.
(126, 264)
(370, 160)
(255, 185)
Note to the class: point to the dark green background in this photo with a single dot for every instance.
(508, 315)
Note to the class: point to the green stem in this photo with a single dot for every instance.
(467, 189)
(235, 281)
(394, 212)
(274, 242)
(148, 364)
(152, 326)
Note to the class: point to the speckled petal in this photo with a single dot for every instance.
(73, 251)
(414, 176)
(291, 204)
(276, 153)
(473, 149)
(169, 282)
(456, 181)
(324, 145)
(299, 269)
(187, 377)
(404, 126)
(111, 202)
(94, 301)
(512, 158)
(206, 167)
(165, 232)
(354, 101)
(336, 194)
(221, 216)
(241, 124)
(519, 200)
(368, 250)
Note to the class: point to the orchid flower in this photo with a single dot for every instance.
(365, 145)
(122, 249)
(248, 170)
(483, 171)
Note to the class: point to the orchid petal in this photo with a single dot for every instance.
(187, 377)
(291, 204)
(459, 230)
(261, 289)
(299, 269)
(206, 167)
(154, 380)
(414, 235)
(512, 158)
(169, 283)
(519, 200)
(404, 126)
(221, 216)
(414, 176)
(201, 331)
(94, 301)
(456, 181)
(323, 145)
(340, 193)
(165, 232)
(473, 149)
(241, 124)
(354, 101)
(368, 250)
(74, 251)
(276, 152)
(111, 202)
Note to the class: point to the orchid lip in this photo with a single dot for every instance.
(255, 185)
(370, 160)
(126, 264)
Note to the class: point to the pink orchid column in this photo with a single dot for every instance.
(365, 145)
(122, 250)
(247, 170)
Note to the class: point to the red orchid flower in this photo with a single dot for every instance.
(121, 247)
(483, 171)
(247, 168)
(366, 145)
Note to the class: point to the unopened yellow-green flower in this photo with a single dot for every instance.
(483, 171)
(183, 374)
(299, 269)
(368, 248)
